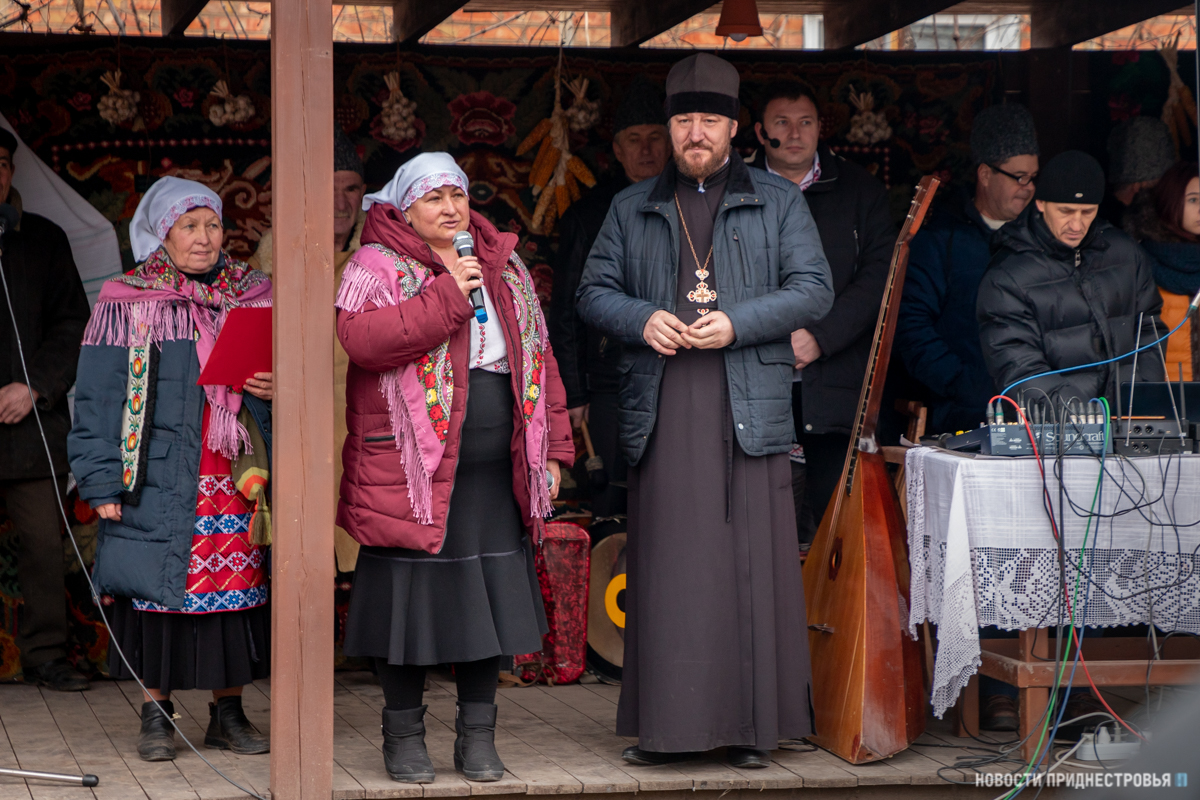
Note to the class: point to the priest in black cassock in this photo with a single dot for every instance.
(703, 274)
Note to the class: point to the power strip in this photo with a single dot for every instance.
(1102, 745)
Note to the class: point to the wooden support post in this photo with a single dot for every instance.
(1035, 646)
(302, 560)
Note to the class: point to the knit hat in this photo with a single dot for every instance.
(1001, 132)
(8, 142)
(345, 154)
(1139, 149)
(642, 105)
(703, 83)
(1071, 177)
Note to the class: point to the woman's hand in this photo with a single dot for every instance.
(467, 274)
(261, 386)
(555, 470)
(110, 511)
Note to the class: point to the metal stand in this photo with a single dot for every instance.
(77, 780)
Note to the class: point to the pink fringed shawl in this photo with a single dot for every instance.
(157, 303)
(420, 395)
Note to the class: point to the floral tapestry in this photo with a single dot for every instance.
(110, 119)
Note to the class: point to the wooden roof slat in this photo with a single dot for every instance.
(412, 19)
(176, 15)
(1062, 23)
(635, 21)
(853, 22)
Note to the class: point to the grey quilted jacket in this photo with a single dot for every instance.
(770, 273)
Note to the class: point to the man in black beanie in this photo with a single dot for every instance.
(1065, 289)
(702, 275)
(587, 359)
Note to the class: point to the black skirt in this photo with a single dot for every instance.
(479, 596)
(172, 652)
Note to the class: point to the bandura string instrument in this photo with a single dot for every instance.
(868, 696)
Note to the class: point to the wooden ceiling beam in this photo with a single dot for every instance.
(1062, 23)
(412, 19)
(849, 23)
(176, 15)
(634, 21)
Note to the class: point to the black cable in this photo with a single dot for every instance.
(75, 545)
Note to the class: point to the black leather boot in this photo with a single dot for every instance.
(475, 753)
(156, 742)
(404, 754)
(228, 729)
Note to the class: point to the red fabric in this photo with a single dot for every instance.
(374, 506)
(563, 564)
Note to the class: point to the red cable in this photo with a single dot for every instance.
(1066, 593)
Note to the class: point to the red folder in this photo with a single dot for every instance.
(242, 349)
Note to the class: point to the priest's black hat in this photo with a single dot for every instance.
(1071, 177)
(703, 83)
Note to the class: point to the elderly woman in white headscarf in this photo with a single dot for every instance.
(457, 427)
(165, 463)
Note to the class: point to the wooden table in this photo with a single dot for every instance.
(1027, 663)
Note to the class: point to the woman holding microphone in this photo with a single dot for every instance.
(457, 430)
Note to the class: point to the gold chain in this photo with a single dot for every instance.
(686, 233)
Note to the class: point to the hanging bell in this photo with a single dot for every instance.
(739, 19)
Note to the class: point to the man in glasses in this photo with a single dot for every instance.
(937, 335)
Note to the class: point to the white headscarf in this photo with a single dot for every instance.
(420, 175)
(166, 201)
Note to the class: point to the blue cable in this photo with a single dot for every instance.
(1166, 336)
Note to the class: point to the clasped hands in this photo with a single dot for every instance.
(666, 333)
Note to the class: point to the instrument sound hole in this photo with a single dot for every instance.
(835, 559)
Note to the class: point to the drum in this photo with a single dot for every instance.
(606, 607)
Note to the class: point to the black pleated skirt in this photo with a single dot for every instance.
(172, 652)
(479, 596)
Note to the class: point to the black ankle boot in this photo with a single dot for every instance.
(156, 742)
(228, 729)
(404, 754)
(475, 753)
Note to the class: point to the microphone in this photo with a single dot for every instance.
(775, 143)
(464, 245)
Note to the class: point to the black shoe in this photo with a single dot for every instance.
(228, 729)
(475, 753)
(156, 742)
(999, 714)
(58, 674)
(648, 758)
(748, 758)
(404, 754)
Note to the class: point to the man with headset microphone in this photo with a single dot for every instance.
(43, 289)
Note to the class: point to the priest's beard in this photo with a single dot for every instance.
(698, 172)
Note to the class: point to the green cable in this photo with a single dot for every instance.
(1074, 600)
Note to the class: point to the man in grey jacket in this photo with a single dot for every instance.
(703, 275)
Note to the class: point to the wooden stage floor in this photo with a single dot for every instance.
(554, 741)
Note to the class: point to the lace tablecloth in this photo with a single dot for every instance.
(982, 552)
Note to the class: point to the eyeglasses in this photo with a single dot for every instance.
(1022, 180)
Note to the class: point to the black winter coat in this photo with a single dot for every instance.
(587, 359)
(52, 311)
(1044, 306)
(850, 208)
(771, 279)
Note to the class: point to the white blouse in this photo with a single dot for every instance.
(488, 350)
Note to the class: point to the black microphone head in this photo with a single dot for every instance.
(463, 240)
(8, 218)
(775, 143)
